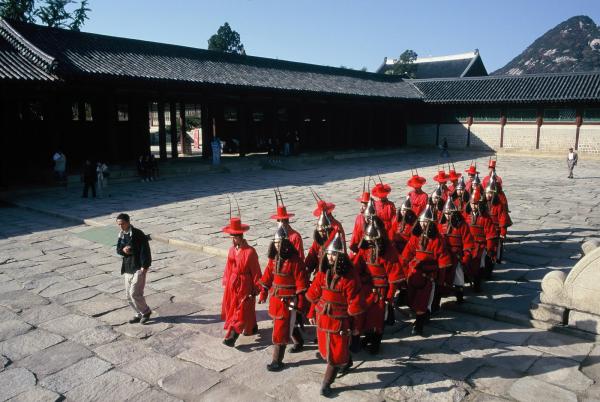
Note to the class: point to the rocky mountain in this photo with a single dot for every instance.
(572, 45)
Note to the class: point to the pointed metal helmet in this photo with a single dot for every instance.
(281, 233)
(324, 222)
(475, 197)
(427, 214)
(371, 232)
(449, 207)
(406, 205)
(437, 193)
(476, 181)
(370, 210)
(461, 184)
(336, 245)
(492, 187)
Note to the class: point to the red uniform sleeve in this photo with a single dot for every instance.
(357, 233)
(442, 255)
(300, 276)
(392, 266)
(353, 296)
(502, 220)
(254, 268)
(490, 235)
(314, 291)
(312, 259)
(227, 271)
(467, 242)
(267, 278)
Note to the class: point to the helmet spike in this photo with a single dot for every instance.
(238, 207)
(280, 197)
(364, 184)
(315, 195)
(380, 181)
(229, 199)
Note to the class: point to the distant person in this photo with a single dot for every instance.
(571, 162)
(102, 175)
(445, 148)
(89, 178)
(141, 167)
(134, 247)
(296, 147)
(287, 144)
(60, 165)
(153, 165)
(216, 150)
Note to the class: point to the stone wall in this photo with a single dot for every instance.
(557, 137)
(589, 139)
(520, 136)
(455, 134)
(485, 136)
(421, 134)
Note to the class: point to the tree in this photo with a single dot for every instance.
(226, 40)
(405, 65)
(53, 13)
(18, 10)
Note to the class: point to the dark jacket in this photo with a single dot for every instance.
(140, 252)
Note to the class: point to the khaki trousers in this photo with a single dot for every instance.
(134, 289)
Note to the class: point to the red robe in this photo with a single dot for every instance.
(240, 282)
(402, 232)
(315, 253)
(460, 244)
(499, 217)
(357, 232)
(296, 241)
(386, 211)
(484, 235)
(337, 299)
(486, 181)
(418, 201)
(379, 281)
(422, 264)
(286, 283)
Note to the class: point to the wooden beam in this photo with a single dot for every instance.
(207, 131)
(578, 122)
(173, 112)
(183, 135)
(162, 131)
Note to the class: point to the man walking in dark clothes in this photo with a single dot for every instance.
(89, 178)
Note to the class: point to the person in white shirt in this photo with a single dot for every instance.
(102, 175)
(571, 162)
(60, 165)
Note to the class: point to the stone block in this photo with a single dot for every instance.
(527, 388)
(99, 305)
(117, 317)
(60, 288)
(23, 345)
(143, 331)
(76, 295)
(562, 372)
(547, 312)
(190, 383)
(75, 375)
(153, 366)
(15, 381)
(153, 395)
(590, 245)
(426, 386)
(39, 314)
(209, 352)
(37, 394)
(70, 324)
(494, 380)
(21, 299)
(122, 352)
(96, 336)
(54, 358)
(11, 328)
(561, 345)
(584, 321)
(118, 385)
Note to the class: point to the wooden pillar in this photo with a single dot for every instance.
(502, 124)
(173, 112)
(182, 132)
(438, 118)
(539, 121)
(207, 131)
(243, 122)
(162, 130)
(578, 122)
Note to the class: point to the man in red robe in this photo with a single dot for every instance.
(359, 222)
(453, 177)
(379, 269)
(461, 197)
(499, 189)
(285, 281)
(283, 217)
(327, 228)
(501, 220)
(386, 210)
(423, 258)
(442, 178)
(460, 245)
(484, 235)
(437, 203)
(471, 172)
(240, 283)
(403, 225)
(418, 198)
(336, 293)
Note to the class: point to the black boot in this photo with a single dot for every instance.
(355, 344)
(330, 374)
(418, 325)
(298, 341)
(344, 370)
(232, 338)
(435, 304)
(376, 341)
(459, 295)
(391, 316)
(477, 285)
(277, 363)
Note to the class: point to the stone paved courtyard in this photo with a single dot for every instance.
(63, 329)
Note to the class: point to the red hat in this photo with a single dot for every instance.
(235, 227)
(416, 181)
(472, 170)
(322, 205)
(381, 190)
(441, 177)
(492, 164)
(453, 175)
(282, 213)
(365, 197)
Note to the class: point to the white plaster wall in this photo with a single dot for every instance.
(520, 136)
(421, 134)
(455, 134)
(557, 137)
(485, 136)
(589, 139)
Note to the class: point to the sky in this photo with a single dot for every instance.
(351, 33)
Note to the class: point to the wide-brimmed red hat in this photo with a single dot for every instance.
(365, 197)
(235, 227)
(452, 176)
(381, 190)
(472, 170)
(441, 177)
(282, 213)
(492, 164)
(328, 207)
(416, 181)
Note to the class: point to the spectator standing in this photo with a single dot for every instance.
(571, 161)
(89, 178)
(153, 165)
(102, 175)
(141, 167)
(60, 165)
(445, 148)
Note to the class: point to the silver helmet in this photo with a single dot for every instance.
(406, 205)
(450, 207)
(437, 194)
(492, 186)
(369, 210)
(427, 215)
(372, 232)
(324, 223)
(461, 184)
(476, 181)
(281, 233)
(336, 246)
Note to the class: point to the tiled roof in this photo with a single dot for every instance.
(452, 66)
(81, 54)
(567, 87)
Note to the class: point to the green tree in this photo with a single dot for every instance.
(79, 16)
(18, 10)
(405, 66)
(54, 13)
(226, 40)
